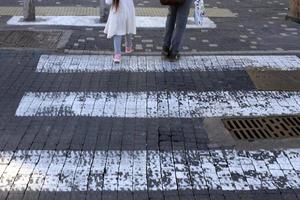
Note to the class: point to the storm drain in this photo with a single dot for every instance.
(263, 127)
(33, 39)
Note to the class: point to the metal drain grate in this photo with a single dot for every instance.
(263, 127)
(33, 39)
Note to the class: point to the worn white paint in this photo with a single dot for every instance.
(99, 63)
(160, 104)
(229, 170)
(93, 21)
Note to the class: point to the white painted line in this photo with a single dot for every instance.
(161, 104)
(96, 63)
(154, 170)
(228, 170)
(93, 21)
(139, 171)
(97, 170)
(112, 171)
(168, 171)
(126, 175)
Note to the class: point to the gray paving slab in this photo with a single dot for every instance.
(31, 195)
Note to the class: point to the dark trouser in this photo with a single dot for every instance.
(104, 11)
(176, 25)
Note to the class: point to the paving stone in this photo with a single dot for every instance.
(47, 195)
(171, 195)
(109, 195)
(15, 195)
(78, 195)
(140, 195)
(63, 195)
(288, 196)
(202, 197)
(93, 196)
(3, 195)
(31, 195)
(217, 196)
(156, 195)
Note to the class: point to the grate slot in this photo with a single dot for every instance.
(291, 134)
(254, 123)
(230, 125)
(250, 134)
(283, 134)
(256, 134)
(236, 124)
(284, 127)
(262, 133)
(295, 121)
(242, 124)
(249, 124)
(244, 135)
(236, 133)
(286, 122)
(269, 127)
(259, 123)
(291, 121)
(295, 130)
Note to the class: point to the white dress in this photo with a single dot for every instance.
(121, 21)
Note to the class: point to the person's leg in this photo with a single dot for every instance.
(104, 11)
(181, 21)
(170, 24)
(128, 40)
(117, 44)
(117, 48)
(128, 43)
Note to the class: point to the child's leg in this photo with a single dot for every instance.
(117, 44)
(128, 40)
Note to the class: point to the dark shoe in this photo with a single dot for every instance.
(174, 57)
(165, 52)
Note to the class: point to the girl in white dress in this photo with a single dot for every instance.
(121, 22)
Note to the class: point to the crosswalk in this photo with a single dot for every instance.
(151, 170)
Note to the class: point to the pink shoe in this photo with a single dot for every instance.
(117, 58)
(128, 50)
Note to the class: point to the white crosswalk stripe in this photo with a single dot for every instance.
(127, 170)
(93, 21)
(102, 63)
(160, 104)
